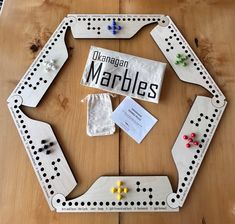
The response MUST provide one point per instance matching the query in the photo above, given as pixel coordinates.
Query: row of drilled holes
(206, 117)
(119, 19)
(28, 137)
(41, 60)
(189, 56)
(132, 203)
(195, 157)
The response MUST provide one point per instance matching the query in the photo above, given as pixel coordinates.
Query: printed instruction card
(133, 119)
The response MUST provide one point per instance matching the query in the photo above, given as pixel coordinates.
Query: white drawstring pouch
(99, 110)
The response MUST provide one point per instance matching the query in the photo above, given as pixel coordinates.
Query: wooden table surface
(25, 26)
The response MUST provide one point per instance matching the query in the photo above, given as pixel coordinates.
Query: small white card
(133, 119)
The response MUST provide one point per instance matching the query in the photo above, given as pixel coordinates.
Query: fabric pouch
(99, 110)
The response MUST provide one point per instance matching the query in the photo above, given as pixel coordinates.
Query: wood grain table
(209, 27)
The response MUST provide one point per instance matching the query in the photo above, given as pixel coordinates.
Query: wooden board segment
(40, 74)
(103, 25)
(172, 43)
(202, 122)
(44, 152)
(144, 194)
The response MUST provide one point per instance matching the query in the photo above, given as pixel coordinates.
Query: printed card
(133, 119)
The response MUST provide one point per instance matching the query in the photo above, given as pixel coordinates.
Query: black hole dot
(58, 200)
(70, 203)
(190, 167)
(156, 203)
